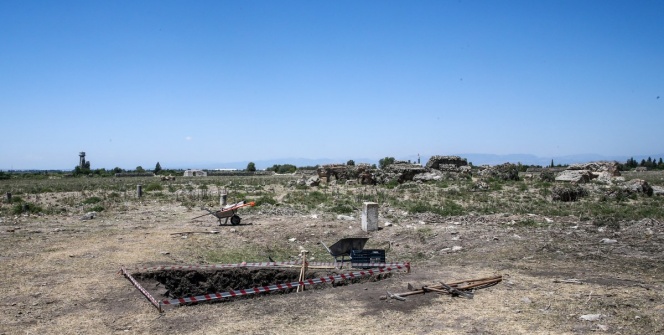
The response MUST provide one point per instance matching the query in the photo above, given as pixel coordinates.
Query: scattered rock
(89, 216)
(446, 163)
(638, 186)
(574, 176)
(583, 173)
(456, 248)
(608, 167)
(506, 171)
(345, 217)
(313, 181)
(658, 190)
(608, 241)
(481, 186)
(566, 193)
(590, 317)
(398, 171)
(292, 239)
(428, 176)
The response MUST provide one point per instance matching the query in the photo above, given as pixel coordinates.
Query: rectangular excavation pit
(185, 286)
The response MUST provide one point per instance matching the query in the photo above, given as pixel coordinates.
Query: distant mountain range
(475, 159)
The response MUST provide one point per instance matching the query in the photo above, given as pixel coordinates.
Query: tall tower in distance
(81, 162)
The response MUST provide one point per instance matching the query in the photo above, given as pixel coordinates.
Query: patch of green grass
(265, 199)
(342, 208)
(307, 199)
(92, 200)
(26, 207)
(391, 184)
(424, 233)
(449, 208)
(153, 187)
(97, 208)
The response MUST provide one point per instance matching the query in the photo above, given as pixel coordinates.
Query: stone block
(370, 216)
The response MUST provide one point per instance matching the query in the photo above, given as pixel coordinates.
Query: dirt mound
(185, 283)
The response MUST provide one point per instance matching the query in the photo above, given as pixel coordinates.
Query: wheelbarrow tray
(229, 211)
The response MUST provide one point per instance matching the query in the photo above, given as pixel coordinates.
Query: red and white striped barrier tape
(140, 288)
(277, 287)
(264, 264)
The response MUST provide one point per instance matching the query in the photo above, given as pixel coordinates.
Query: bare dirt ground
(60, 274)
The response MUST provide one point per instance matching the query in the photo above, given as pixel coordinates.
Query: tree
(631, 163)
(384, 162)
(286, 168)
(251, 167)
(551, 164)
(140, 169)
(157, 168)
(350, 162)
(660, 165)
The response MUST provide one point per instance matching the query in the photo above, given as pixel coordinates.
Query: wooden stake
(448, 288)
(303, 270)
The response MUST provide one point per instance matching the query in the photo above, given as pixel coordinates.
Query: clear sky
(190, 82)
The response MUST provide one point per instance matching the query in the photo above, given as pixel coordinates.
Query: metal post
(139, 191)
(9, 197)
(222, 199)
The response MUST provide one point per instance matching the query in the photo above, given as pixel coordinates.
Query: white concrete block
(370, 216)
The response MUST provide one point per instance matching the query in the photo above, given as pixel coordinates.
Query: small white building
(195, 173)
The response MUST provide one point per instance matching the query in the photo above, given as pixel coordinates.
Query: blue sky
(192, 83)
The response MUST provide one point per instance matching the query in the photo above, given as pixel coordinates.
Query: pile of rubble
(455, 167)
(398, 171)
(438, 167)
(506, 171)
(583, 173)
(350, 174)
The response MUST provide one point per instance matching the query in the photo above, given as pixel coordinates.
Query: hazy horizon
(262, 164)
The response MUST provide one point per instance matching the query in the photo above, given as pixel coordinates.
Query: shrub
(26, 207)
(567, 193)
(385, 162)
(92, 200)
(342, 209)
(97, 208)
(547, 176)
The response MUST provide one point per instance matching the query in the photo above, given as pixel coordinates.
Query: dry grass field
(561, 262)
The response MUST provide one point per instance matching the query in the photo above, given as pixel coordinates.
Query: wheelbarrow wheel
(235, 220)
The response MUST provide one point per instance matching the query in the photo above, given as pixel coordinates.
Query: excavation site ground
(593, 265)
